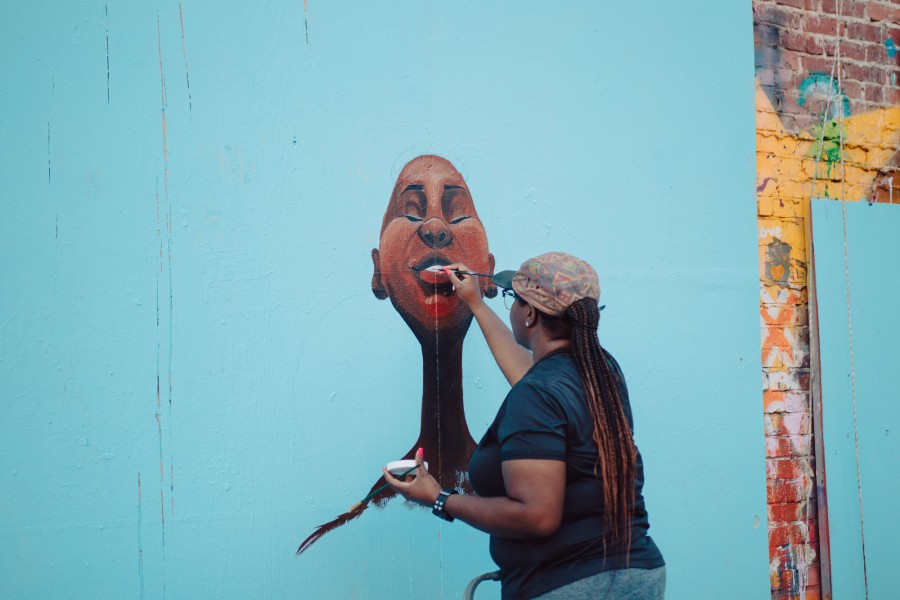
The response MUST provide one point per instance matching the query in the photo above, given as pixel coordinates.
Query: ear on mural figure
(377, 285)
(491, 290)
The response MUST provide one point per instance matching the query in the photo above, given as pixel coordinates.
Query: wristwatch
(439, 504)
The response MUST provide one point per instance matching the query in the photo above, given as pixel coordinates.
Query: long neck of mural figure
(443, 415)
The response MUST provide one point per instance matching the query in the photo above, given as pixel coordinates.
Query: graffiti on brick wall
(826, 128)
(855, 158)
(820, 95)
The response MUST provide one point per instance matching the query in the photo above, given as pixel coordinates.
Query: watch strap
(439, 508)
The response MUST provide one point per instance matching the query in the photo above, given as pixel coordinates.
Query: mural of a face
(430, 220)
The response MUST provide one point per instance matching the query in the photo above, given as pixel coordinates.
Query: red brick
(849, 8)
(817, 44)
(818, 64)
(776, 15)
(812, 574)
(802, 4)
(785, 492)
(892, 96)
(803, 380)
(793, 534)
(854, 9)
(821, 24)
(852, 89)
(881, 12)
(864, 31)
(874, 94)
(794, 40)
(780, 447)
(790, 468)
(794, 511)
(789, 60)
(865, 74)
(801, 41)
(849, 49)
(877, 54)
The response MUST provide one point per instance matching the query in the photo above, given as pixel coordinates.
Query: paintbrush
(440, 269)
(384, 487)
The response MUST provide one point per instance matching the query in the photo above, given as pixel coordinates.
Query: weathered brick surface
(813, 65)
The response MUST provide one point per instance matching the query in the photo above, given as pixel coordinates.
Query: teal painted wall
(195, 371)
(860, 413)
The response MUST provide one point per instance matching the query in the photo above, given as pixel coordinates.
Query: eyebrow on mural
(418, 187)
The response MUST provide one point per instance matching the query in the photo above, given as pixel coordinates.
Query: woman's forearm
(513, 360)
(531, 507)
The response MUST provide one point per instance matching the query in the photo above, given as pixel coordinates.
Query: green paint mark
(827, 145)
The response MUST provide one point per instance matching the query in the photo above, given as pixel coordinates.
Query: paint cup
(398, 467)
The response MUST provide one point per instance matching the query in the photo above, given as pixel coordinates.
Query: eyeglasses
(509, 298)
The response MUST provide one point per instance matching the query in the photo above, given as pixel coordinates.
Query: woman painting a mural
(557, 475)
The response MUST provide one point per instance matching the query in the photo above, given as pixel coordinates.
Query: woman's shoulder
(553, 381)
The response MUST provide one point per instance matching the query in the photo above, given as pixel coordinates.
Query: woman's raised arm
(513, 360)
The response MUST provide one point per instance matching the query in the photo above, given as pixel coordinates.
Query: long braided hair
(616, 449)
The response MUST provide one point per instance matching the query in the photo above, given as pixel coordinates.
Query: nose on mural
(435, 234)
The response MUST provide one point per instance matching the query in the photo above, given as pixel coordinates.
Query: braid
(616, 451)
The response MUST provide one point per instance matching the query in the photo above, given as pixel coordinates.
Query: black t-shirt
(546, 416)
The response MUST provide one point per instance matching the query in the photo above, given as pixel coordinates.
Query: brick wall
(826, 127)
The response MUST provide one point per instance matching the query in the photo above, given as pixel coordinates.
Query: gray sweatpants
(622, 584)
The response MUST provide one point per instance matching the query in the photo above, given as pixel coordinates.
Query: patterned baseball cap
(552, 282)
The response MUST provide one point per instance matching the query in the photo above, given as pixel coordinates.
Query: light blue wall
(860, 401)
(225, 260)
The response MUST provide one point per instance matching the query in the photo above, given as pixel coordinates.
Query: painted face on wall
(430, 221)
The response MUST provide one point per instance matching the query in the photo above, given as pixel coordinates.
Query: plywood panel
(860, 383)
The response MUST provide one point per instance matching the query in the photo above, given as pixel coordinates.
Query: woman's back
(546, 416)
